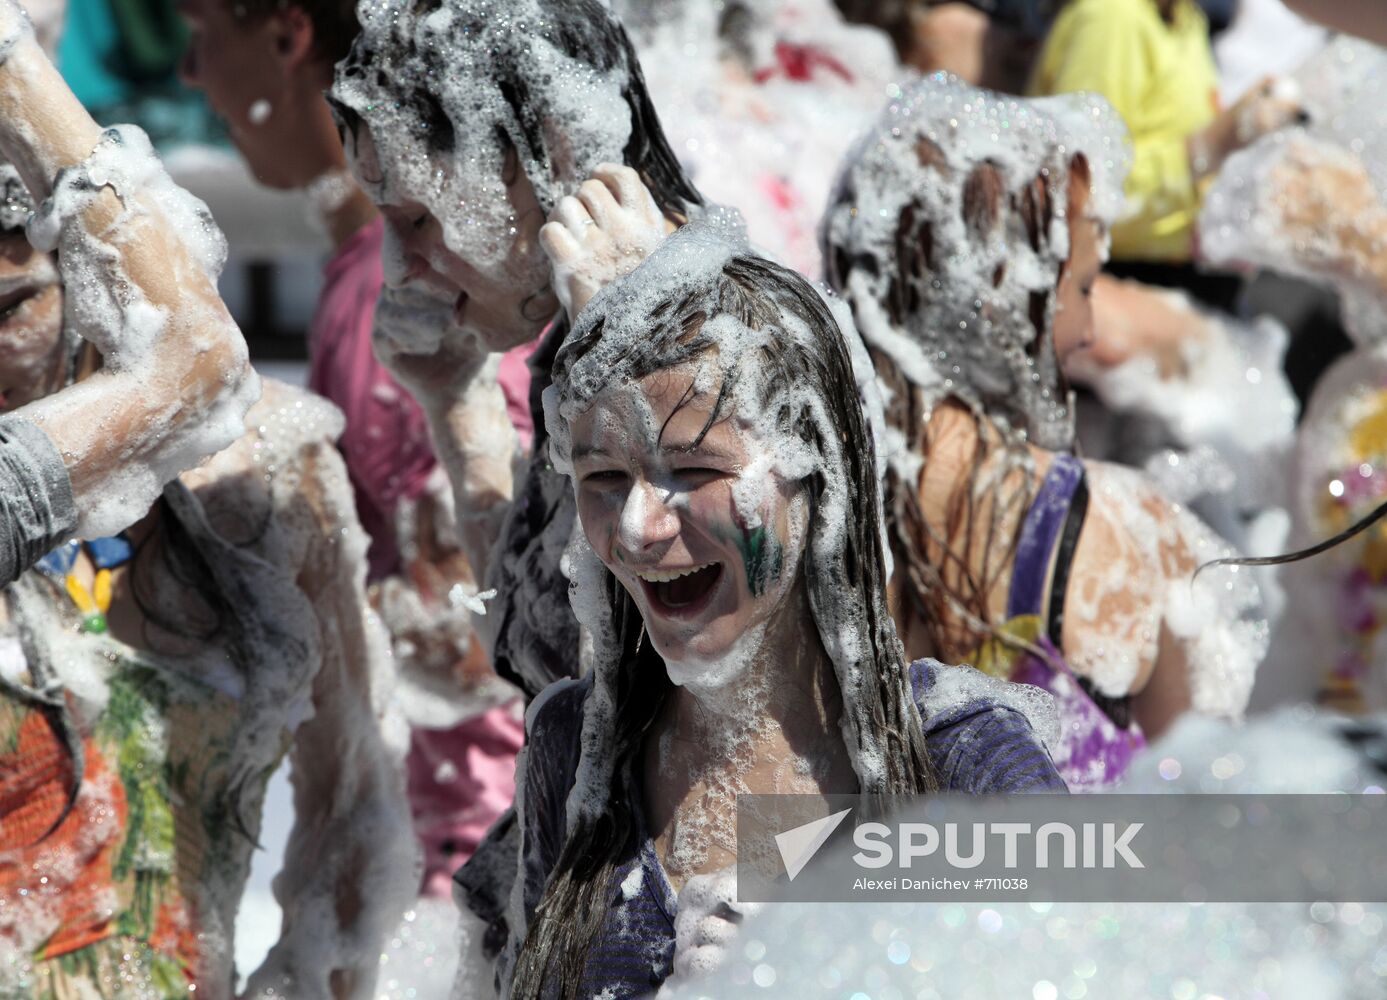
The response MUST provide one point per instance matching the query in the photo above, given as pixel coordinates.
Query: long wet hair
(960, 279)
(808, 386)
(950, 572)
(583, 30)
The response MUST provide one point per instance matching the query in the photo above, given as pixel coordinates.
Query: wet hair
(584, 31)
(207, 613)
(807, 385)
(16, 204)
(334, 21)
(950, 576)
(948, 236)
(1355, 529)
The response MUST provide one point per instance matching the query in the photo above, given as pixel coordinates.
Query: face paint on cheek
(763, 555)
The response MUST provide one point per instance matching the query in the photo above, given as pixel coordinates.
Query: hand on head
(601, 235)
(1270, 106)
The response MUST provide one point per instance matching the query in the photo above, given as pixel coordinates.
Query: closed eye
(9, 304)
(699, 474)
(604, 478)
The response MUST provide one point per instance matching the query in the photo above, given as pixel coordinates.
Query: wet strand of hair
(1357, 528)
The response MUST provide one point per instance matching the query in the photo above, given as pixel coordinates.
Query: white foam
(967, 335)
(103, 305)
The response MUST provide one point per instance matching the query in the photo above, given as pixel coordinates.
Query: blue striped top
(978, 747)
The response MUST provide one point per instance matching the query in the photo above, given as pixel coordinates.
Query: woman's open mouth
(681, 593)
(459, 307)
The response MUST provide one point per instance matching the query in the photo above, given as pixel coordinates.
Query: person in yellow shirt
(1152, 60)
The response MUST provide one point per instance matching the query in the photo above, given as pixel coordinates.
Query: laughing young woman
(732, 572)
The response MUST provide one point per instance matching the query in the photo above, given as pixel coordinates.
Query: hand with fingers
(1272, 105)
(601, 234)
(707, 924)
(412, 339)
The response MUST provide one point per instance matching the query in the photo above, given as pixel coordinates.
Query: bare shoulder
(1134, 546)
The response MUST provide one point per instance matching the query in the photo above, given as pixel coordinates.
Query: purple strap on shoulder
(1041, 528)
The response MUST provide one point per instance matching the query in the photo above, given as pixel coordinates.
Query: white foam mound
(965, 296)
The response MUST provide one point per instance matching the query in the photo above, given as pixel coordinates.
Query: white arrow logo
(797, 846)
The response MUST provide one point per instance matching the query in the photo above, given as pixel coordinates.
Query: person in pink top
(386, 444)
(264, 66)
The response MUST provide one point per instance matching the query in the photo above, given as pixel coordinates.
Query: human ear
(294, 38)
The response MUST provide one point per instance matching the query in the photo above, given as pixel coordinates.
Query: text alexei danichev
(937, 884)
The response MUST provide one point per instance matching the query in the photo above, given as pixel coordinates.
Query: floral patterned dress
(108, 904)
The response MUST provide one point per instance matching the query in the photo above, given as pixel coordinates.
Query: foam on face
(438, 91)
(970, 333)
(689, 263)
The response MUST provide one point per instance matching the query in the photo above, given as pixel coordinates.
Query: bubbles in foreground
(1226, 951)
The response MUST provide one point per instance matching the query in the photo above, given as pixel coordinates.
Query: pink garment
(460, 781)
(386, 445)
(514, 378)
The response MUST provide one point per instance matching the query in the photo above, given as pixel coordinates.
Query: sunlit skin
(273, 58)
(236, 62)
(653, 503)
(1158, 689)
(504, 310)
(1073, 327)
(34, 364)
(31, 323)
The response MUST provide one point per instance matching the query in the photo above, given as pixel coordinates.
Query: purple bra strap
(1039, 530)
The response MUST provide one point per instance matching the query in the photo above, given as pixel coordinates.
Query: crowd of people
(763, 396)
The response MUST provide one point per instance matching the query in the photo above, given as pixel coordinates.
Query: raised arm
(139, 259)
(454, 380)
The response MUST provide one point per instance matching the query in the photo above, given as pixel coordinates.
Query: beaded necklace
(106, 554)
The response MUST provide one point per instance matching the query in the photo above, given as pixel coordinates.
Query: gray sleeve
(36, 506)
